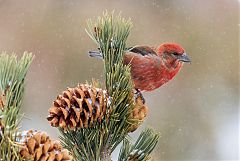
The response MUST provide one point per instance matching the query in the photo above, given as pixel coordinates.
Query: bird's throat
(172, 68)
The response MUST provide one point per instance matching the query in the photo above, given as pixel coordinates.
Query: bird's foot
(138, 94)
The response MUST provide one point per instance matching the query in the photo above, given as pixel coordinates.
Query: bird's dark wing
(143, 50)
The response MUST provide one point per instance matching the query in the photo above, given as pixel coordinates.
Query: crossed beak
(184, 58)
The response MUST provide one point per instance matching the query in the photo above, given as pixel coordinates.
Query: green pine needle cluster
(12, 83)
(110, 33)
(144, 145)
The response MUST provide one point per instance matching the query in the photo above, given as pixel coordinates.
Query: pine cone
(39, 147)
(138, 114)
(79, 107)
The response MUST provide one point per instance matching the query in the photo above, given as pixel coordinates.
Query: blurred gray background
(196, 113)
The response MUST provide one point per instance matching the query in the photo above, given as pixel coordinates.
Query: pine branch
(96, 143)
(111, 33)
(140, 151)
(84, 144)
(12, 76)
(12, 82)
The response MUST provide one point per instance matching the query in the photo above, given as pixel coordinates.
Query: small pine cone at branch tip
(138, 114)
(79, 107)
(37, 146)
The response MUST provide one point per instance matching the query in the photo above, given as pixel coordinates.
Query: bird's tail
(96, 54)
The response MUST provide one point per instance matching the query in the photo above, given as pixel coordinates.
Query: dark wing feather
(143, 50)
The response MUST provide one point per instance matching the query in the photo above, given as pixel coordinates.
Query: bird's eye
(175, 53)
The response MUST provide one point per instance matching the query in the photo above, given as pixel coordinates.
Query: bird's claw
(139, 94)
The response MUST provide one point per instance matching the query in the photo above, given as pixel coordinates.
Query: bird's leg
(139, 94)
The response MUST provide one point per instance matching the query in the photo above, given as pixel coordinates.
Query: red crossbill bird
(151, 67)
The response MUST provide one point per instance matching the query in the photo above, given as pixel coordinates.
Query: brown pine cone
(138, 114)
(79, 107)
(39, 147)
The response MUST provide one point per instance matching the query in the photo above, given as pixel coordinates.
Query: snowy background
(197, 113)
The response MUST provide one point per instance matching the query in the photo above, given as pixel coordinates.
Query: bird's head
(172, 54)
